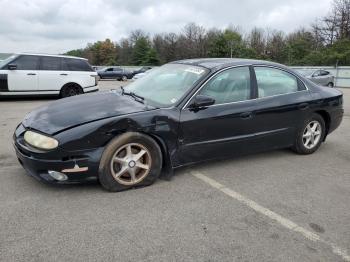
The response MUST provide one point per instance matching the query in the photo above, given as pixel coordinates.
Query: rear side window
(317, 73)
(27, 62)
(50, 63)
(71, 64)
(324, 73)
(272, 81)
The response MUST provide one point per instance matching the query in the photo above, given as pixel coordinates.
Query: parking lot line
(285, 222)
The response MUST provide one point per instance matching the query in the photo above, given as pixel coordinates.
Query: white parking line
(272, 215)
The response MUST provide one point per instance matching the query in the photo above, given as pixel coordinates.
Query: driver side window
(232, 85)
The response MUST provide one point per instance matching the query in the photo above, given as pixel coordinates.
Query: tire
(124, 78)
(70, 90)
(330, 84)
(116, 165)
(301, 145)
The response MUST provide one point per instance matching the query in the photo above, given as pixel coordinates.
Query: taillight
(96, 79)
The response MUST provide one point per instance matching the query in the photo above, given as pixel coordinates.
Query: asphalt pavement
(274, 206)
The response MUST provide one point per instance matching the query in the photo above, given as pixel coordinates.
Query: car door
(325, 78)
(24, 74)
(51, 77)
(117, 72)
(225, 128)
(282, 105)
(77, 71)
(109, 73)
(316, 77)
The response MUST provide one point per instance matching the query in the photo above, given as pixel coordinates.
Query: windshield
(166, 85)
(7, 60)
(306, 72)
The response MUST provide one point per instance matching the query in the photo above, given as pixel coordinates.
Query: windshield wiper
(136, 97)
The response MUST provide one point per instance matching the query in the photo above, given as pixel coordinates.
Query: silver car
(320, 77)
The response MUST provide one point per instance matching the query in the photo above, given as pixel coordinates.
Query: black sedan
(182, 113)
(115, 73)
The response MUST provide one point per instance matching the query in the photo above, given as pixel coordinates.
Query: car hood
(74, 111)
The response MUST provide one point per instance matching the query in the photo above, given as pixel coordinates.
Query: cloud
(56, 26)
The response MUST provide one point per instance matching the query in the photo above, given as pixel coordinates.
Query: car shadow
(274, 154)
(179, 172)
(27, 98)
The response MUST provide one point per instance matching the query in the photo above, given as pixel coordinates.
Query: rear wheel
(71, 90)
(330, 84)
(310, 135)
(130, 160)
(124, 78)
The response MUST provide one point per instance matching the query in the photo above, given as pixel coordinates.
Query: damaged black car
(182, 113)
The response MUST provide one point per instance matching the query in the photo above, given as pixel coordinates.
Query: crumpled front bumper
(38, 164)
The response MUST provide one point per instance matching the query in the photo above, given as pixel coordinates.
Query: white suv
(33, 74)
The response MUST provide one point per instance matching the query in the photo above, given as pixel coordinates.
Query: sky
(56, 26)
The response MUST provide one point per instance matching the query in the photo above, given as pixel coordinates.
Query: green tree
(140, 50)
(77, 52)
(104, 52)
(229, 43)
(151, 58)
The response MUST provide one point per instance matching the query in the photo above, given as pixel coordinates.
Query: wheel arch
(71, 84)
(167, 167)
(327, 119)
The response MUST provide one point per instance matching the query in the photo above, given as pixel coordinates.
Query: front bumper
(91, 89)
(38, 164)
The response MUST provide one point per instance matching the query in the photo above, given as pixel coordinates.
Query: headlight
(40, 141)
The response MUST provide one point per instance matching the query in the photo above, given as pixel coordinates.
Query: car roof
(64, 56)
(218, 63)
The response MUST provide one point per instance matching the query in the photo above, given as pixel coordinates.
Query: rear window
(272, 81)
(50, 63)
(71, 64)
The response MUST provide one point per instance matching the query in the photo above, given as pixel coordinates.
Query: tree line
(325, 42)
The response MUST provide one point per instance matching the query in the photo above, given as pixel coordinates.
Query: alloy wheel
(130, 164)
(70, 91)
(312, 134)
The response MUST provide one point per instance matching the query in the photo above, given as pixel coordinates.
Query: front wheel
(124, 78)
(310, 135)
(130, 160)
(70, 90)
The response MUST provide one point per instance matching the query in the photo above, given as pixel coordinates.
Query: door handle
(63, 74)
(31, 74)
(303, 106)
(246, 115)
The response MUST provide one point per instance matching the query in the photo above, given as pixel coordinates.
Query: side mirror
(12, 66)
(202, 101)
